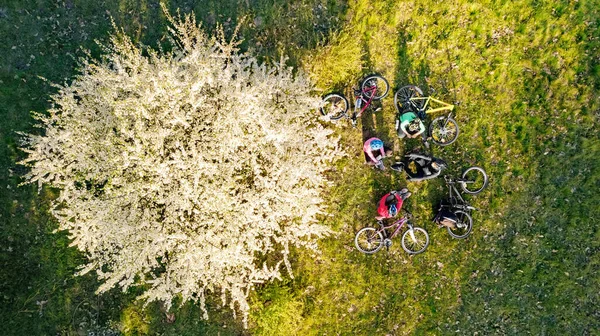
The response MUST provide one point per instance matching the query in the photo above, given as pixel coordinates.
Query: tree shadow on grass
(373, 125)
(406, 71)
(409, 74)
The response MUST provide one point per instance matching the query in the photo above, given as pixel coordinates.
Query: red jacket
(382, 209)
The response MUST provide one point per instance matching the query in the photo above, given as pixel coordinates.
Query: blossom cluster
(179, 170)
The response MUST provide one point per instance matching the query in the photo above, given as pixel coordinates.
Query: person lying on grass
(411, 126)
(390, 204)
(426, 167)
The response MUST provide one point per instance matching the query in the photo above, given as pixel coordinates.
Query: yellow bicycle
(443, 130)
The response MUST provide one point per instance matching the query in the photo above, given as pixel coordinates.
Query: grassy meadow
(527, 76)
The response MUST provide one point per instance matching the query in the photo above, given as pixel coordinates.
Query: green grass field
(527, 74)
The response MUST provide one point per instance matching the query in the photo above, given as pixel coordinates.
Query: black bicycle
(454, 213)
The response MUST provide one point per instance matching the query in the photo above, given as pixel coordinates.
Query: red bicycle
(335, 106)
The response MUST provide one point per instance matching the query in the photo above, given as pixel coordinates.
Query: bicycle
(369, 240)
(335, 106)
(443, 130)
(455, 213)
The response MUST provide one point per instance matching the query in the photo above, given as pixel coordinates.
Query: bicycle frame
(454, 191)
(399, 223)
(359, 102)
(456, 195)
(445, 106)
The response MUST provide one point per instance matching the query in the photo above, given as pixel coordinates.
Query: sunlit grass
(527, 77)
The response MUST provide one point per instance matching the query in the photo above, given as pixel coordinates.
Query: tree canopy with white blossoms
(179, 170)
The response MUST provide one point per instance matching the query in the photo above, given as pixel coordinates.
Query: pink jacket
(367, 149)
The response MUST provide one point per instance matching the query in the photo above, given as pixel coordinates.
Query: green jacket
(407, 118)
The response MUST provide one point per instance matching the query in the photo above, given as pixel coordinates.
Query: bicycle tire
(422, 242)
(367, 235)
(480, 180)
(459, 231)
(383, 87)
(403, 95)
(334, 106)
(443, 131)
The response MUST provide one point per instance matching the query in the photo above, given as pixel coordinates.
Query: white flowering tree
(180, 170)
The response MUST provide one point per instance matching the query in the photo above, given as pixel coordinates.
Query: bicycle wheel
(443, 131)
(368, 240)
(463, 227)
(334, 106)
(405, 93)
(417, 242)
(474, 180)
(382, 85)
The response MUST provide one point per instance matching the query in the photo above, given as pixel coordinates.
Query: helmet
(376, 144)
(393, 211)
(414, 125)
